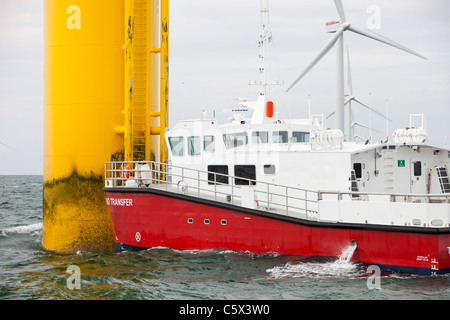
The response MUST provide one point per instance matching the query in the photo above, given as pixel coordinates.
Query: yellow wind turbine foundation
(106, 99)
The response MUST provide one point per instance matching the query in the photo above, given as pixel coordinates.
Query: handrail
(270, 197)
(393, 196)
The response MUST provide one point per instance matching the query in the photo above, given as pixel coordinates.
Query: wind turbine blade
(340, 10)
(349, 75)
(371, 109)
(376, 36)
(330, 115)
(329, 45)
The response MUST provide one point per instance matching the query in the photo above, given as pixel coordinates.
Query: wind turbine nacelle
(333, 26)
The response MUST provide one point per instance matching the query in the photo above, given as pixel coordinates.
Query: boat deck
(405, 210)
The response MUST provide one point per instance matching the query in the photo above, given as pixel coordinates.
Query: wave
(26, 229)
(315, 269)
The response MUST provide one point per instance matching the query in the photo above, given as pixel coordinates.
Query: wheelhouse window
(280, 137)
(247, 172)
(177, 145)
(194, 146)
(221, 177)
(298, 136)
(208, 144)
(233, 140)
(260, 137)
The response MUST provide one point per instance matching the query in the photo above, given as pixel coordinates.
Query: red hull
(158, 219)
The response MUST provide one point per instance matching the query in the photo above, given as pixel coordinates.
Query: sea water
(27, 271)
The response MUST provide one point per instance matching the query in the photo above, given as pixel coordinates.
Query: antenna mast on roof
(264, 39)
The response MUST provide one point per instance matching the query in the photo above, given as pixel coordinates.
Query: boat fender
(124, 171)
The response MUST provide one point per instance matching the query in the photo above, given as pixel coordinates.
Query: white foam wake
(341, 267)
(22, 229)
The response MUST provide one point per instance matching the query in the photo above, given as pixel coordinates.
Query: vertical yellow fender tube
(84, 97)
(164, 73)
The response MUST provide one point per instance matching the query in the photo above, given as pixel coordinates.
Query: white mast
(264, 39)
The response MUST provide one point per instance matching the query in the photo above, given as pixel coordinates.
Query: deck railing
(268, 197)
(249, 193)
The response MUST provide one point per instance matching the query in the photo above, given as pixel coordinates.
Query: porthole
(206, 221)
(223, 222)
(190, 221)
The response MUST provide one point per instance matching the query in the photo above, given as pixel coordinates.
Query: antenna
(309, 106)
(264, 38)
(387, 121)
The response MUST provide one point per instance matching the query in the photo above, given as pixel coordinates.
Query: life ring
(124, 171)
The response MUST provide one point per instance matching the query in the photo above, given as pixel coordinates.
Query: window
(233, 140)
(206, 221)
(300, 136)
(223, 222)
(357, 167)
(417, 168)
(177, 145)
(280, 137)
(194, 146)
(221, 177)
(260, 137)
(247, 173)
(190, 221)
(269, 169)
(208, 144)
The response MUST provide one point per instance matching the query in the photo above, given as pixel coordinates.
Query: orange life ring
(124, 171)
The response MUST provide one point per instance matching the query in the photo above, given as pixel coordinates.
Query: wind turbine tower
(338, 28)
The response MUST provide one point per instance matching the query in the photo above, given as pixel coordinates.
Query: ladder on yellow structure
(143, 115)
(140, 84)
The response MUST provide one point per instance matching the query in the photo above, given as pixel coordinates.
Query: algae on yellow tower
(93, 50)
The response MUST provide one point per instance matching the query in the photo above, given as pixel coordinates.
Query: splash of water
(347, 253)
(341, 267)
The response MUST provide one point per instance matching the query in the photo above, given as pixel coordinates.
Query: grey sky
(214, 54)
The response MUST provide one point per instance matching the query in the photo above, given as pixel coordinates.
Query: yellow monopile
(84, 74)
(93, 50)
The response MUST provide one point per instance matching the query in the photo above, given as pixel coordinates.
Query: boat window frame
(305, 136)
(259, 135)
(194, 149)
(281, 133)
(206, 147)
(232, 139)
(358, 168)
(417, 168)
(269, 169)
(222, 178)
(244, 174)
(173, 146)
